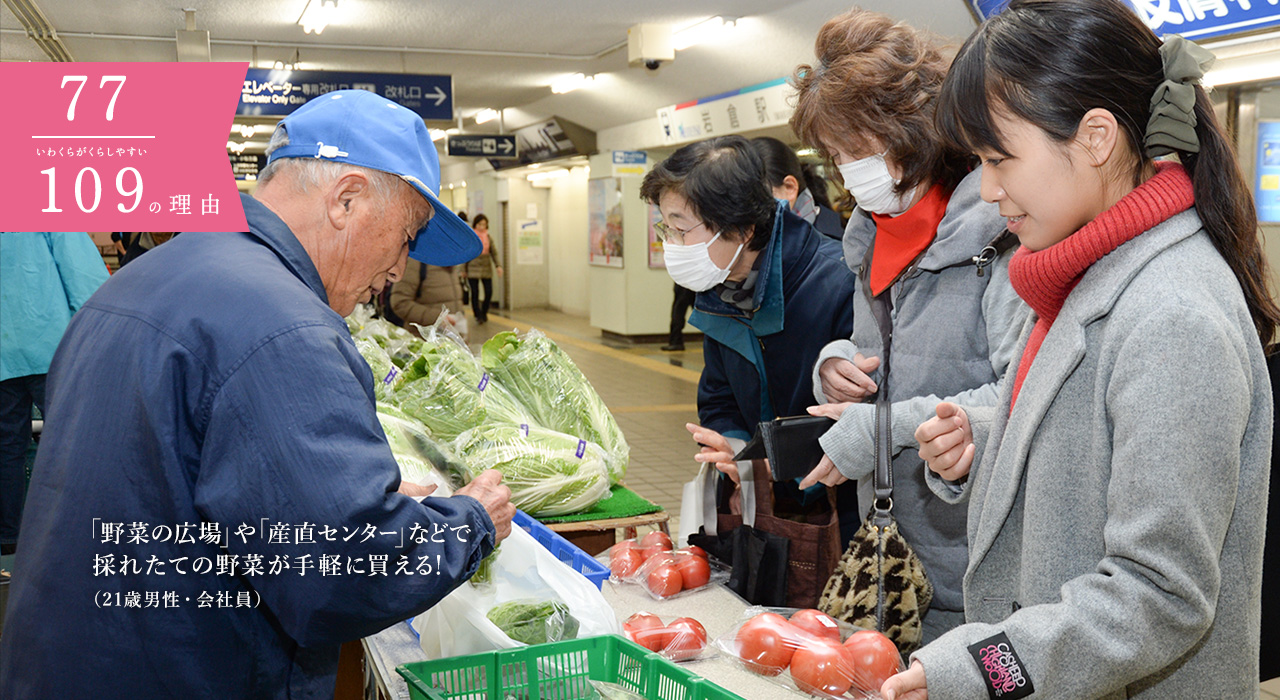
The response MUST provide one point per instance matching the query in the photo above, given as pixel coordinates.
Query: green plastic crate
(557, 671)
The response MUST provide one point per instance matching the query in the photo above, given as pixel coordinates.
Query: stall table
(716, 607)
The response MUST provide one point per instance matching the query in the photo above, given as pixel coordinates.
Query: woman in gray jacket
(1116, 514)
(922, 237)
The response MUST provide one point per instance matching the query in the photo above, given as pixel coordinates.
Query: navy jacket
(759, 368)
(241, 405)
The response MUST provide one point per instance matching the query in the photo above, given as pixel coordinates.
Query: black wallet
(790, 444)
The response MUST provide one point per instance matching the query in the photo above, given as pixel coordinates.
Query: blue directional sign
(1193, 19)
(483, 145)
(280, 92)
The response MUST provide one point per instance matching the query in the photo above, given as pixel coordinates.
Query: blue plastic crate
(565, 551)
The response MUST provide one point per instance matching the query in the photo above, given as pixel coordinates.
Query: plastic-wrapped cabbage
(534, 621)
(386, 376)
(549, 473)
(543, 377)
(422, 460)
(448, 390)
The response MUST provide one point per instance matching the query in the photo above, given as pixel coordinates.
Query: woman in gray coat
(1117, 508)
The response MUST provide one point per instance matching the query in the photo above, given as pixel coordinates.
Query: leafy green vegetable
(422, 460)
(549, 473)
(555, 391)
(386, 376)
(484, 572)
(535, 622)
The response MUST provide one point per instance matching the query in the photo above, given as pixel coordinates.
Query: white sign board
(750, 108)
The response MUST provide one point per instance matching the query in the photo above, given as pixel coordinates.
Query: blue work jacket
(208, 401)
(44, 279)
(758, 368)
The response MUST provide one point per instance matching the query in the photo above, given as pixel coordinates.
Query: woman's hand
(908, 685)
(498, 270)
(843, 380)
(825, 473)
(946, 442)
(715, 449)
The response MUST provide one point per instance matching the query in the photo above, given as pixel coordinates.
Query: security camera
(652, 63)
(649, 45)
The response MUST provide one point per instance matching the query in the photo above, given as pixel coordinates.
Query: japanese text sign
(91, 149)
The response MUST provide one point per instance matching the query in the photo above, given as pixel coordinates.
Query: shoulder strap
(997, 247)
(882, 310)
(422, 277)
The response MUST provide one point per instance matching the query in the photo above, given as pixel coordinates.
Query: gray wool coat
(1116, 516)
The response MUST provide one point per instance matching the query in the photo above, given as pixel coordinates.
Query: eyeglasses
(671, 234)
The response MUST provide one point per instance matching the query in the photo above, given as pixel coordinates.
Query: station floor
(652, 394)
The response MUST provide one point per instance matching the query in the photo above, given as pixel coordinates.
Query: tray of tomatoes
(684, 639)
(813, 652)
(664, 572)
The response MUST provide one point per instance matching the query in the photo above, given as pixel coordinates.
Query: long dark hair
(780, 161)
(1049, 62)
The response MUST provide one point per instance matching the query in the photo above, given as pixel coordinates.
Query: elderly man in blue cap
(215, 516)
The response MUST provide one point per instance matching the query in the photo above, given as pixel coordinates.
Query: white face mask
(691, 267)
(871, 185)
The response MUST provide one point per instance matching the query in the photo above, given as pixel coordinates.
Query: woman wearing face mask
(923, 239)
(771, 290)
(803, 189)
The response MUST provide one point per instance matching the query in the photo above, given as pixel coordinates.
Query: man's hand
(413, 490)
(908, 685)
(946, 442)
(843, 380)
(715, 449)
(496, 499)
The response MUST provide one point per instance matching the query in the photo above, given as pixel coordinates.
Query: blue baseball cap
(365, 129)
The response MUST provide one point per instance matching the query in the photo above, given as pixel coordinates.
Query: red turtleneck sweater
(1045, 278)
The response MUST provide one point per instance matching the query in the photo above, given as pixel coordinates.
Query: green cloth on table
(623, 503)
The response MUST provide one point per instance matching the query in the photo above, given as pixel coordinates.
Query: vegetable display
(549, 473)
(684, 639)
(448, 390)
(557, 394)
(386, 376)
(651, 563)
(534, 621)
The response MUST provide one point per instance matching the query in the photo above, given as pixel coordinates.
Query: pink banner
(118, 147)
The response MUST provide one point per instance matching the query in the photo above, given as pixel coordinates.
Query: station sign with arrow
(483, 145)
(269, 92)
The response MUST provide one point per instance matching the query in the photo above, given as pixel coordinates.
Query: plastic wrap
(547, 381)
(812, 652)
(446, 388)
(549, 473)
(650, 563)
(533, 621)
(684, 639)
(422, 459)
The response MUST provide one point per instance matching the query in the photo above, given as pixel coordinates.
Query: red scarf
(901, 239)
(1045, 278)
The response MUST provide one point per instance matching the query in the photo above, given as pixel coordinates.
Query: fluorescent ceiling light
(462, 184)
(1243, 69)
(436, 134)
(317, 15)
(547, 175)
(700, 32)
(571, 82)
(486, 115)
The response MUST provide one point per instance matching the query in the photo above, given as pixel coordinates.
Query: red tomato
(766, 643)
(695, 571)
(623, 545)
(664, 580)
(641, 621)
(694, 550)
(655, 639)
(874, 658)
(821, 666)
(657, 537)
(624, 563)
(688, 639)
(817, 623)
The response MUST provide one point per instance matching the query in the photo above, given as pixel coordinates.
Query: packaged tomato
(810, 651)
(683, 639)
(650, 562)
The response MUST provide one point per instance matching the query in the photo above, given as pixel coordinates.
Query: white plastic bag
(523, 569)
(698, 501)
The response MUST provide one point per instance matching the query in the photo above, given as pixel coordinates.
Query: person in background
(239, 431)
(679, 309)
(803, 189)
(44, 279)
(1117, 511)
(480, 272)
(121, 241)
(141, 243)
(425, 292)
(771, 292)
(922, 238)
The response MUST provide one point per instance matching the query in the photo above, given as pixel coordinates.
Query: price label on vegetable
(118, 147)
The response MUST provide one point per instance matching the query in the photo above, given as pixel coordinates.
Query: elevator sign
(280, 92)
